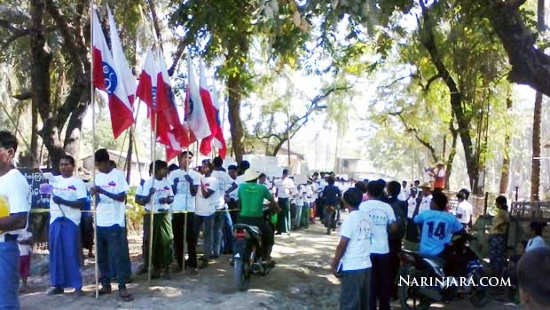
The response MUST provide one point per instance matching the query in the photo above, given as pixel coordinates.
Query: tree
(231, 37)
(56, 57)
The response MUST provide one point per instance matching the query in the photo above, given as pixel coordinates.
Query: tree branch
(414, 131)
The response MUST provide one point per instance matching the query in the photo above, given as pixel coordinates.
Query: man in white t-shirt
(225, 186)
(112, 246)
(156, 195)
(405, 192)
(352, 257)
(14, 211)
(185, 183)
(426, 200)
(383, 220)
(464, 209)
(285, 188)
(68, 198)
(207, 200)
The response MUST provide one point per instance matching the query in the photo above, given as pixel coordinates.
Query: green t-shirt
(252, 196)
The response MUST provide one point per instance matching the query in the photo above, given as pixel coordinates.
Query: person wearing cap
(534, 279)
(352, 256)
(14, 210)
(384, 223)
(251, 198)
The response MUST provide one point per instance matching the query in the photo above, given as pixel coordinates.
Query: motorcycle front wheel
(241, 278)
(409, 298)
(480, 295)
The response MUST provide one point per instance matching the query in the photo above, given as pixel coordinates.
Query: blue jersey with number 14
(438, 228)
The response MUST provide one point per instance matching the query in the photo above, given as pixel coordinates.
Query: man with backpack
(395, 239)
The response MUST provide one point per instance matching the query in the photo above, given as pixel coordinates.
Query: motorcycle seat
(253, 231)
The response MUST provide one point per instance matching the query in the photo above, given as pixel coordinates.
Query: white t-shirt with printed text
(357, 227)
(109, 211)
(15, 195)
(224, 183)
(162, 190)
(207, 206)
(381, 215)
(70, 189)
(183, 200)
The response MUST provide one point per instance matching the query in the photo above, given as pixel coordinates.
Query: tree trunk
(530, 65)
(535, 160)
(35, 160)
(428, 41)
(234, 116)
(537, 121)
(451, 157)
(40, 82)
(505, 170)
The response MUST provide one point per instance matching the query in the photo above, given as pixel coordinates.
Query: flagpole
(94, 146)
(150, 252)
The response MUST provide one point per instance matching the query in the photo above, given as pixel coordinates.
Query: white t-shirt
(358, 228)
(207, 206)
(24, 249)
(411, 206)
(235, 193)
(299, 198)
(224, 183)
(183, 200)
(70, 189)
(533, 243)
(310, 195)
(464, 211)
(425, 203)
(109, 211)
(15, 195)
(403, 194)
(285, 187)
(162, 190)
(381, 215)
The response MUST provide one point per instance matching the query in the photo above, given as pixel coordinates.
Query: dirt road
(301, 280)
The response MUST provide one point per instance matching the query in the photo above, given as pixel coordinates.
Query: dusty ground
(301, 280)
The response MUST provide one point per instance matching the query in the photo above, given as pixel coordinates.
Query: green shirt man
(251, 196)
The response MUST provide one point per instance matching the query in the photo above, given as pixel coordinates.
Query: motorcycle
(421, 294)
(246, 262)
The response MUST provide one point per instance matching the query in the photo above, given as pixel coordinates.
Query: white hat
(251, 175)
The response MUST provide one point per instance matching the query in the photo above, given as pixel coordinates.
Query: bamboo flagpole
(153, 158)
(94, 146)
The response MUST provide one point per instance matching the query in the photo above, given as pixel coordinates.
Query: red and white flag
(195, 115)
(219, 139)
(107, 77)
(212, 114)
(154, 89)
(126, 77)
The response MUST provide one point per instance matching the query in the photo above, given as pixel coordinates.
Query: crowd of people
(376, 220)
(383, 217)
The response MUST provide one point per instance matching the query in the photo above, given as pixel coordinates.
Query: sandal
(124, 295)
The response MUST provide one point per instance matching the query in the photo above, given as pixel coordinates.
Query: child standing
(25, 250)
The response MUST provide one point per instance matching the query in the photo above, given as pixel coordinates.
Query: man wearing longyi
(14, 209)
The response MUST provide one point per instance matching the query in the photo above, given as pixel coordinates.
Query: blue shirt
(438, 228)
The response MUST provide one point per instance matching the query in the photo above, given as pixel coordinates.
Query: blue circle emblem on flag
(110, 78)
